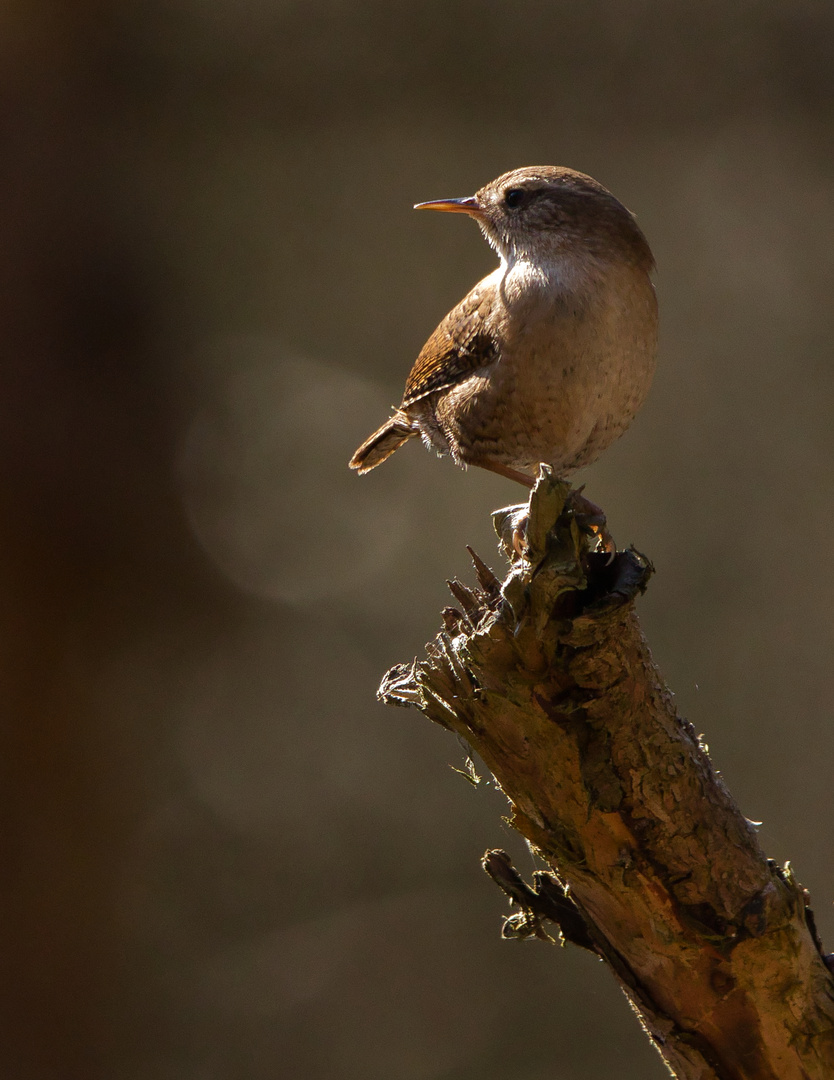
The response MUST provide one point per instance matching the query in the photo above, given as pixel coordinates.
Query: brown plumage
(550, 356)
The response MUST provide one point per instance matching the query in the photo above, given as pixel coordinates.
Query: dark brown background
(221, 858)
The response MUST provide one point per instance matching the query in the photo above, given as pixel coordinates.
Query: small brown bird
(551, 355)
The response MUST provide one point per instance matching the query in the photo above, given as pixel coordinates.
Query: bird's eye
(515, 197)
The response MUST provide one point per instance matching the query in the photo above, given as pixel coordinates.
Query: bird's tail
(382, 443)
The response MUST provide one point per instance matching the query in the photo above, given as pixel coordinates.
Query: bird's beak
(469, 205)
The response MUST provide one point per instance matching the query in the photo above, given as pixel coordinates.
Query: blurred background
(222, 859)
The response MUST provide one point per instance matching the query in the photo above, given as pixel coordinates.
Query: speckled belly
(539, 408)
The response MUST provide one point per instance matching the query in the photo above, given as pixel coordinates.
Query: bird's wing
(461, 344)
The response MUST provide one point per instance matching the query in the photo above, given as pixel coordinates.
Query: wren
(549, 357)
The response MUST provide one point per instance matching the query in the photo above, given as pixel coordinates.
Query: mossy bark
(549, 678)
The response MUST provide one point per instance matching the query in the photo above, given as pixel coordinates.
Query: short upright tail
(382, 443)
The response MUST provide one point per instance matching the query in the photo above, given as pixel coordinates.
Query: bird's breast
(575, 358)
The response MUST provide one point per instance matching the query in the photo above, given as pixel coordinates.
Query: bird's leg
(504, 470)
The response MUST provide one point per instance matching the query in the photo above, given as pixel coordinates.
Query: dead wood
(550, 680)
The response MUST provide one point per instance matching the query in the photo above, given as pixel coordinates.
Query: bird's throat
(527, 282)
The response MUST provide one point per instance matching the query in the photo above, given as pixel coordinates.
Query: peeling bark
(549, 678)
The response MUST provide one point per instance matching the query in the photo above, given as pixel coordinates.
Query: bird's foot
(511, 524)
(591, 519)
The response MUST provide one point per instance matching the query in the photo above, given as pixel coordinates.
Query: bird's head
(547, 212)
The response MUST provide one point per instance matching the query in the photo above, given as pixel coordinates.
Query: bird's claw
(591, 519)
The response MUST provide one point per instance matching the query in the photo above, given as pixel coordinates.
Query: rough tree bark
(548, 677)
